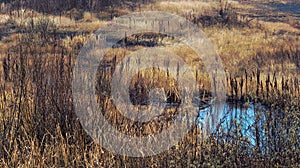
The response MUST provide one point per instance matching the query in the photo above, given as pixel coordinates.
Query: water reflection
(234, 118)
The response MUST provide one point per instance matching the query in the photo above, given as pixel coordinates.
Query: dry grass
(236, 45)
(181, 7)
(38, 126)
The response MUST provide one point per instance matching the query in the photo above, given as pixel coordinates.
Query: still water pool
(229, 117)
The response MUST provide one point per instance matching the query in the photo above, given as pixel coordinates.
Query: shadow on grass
(291, 8)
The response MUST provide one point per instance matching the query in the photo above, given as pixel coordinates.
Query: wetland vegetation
(258, 42)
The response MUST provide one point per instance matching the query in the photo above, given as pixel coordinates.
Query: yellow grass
(275, 27)
(72, 148)
(181, 7)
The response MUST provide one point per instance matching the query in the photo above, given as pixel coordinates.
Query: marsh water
(235, 118)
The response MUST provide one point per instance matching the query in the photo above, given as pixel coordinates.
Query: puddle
(233, 116)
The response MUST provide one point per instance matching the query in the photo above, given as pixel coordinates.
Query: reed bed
(39, 128)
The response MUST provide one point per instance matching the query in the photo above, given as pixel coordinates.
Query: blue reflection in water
(234, 117)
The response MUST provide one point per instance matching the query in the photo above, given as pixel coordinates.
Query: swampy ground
(257, 41)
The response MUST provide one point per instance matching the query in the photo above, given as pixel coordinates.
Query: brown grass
(39, 128)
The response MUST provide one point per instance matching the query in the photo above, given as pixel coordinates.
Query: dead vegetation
(39, 128)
